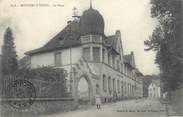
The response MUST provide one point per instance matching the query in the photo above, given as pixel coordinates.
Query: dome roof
(92, 22)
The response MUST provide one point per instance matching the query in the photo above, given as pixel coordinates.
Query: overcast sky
(34, 26)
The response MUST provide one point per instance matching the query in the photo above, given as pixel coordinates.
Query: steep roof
(69, 36)
(91, 22)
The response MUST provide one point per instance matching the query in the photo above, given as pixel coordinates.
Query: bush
(49, 82)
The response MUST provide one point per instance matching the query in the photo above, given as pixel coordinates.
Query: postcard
(91, 58)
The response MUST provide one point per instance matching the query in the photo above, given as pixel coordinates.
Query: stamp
(21, 94)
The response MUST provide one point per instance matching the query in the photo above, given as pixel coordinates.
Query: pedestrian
(98, 101)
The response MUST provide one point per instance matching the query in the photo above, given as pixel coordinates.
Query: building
(85, 51)
(147, 79)
(154, 89)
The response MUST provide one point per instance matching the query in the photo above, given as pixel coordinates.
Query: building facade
(83, 49)
(154, 89)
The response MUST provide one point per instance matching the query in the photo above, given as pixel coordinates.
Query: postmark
(21, 94)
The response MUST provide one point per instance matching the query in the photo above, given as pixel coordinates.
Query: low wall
(39, 107)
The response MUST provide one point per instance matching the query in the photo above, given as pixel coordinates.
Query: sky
(34, 26)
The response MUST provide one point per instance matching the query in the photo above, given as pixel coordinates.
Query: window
(118, 85)
(58, 59)
(103, 55)
(109, 83)
(118, 65)
(122, 88)
(96, 54)
(109, 58)
(125, 90)
(104, 83)
(86, 53)
(128, 89)
(114, 85)
(122, 69)
(113, 61)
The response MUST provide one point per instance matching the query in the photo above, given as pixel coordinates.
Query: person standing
(98, 101)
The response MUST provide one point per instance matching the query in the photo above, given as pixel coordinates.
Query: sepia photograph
(91, 58)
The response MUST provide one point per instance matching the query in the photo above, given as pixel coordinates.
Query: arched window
(122, 88)
(118, 85)
(125, 88)
(114, 85)
(109, 83)
(104, 83)
(109, 58)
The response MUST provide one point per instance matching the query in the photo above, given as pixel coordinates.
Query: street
(126, 108)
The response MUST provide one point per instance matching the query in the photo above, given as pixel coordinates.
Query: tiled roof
(69, 36)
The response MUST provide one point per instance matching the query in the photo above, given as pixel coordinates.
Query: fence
(49, 99)
(44, 89)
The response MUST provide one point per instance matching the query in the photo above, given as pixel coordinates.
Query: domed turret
(92, 22)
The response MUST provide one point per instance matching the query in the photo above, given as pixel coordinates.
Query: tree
(166, 40)
(49, 82)
(9, 57)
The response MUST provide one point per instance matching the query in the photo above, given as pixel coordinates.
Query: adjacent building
(85, 51)
(154, 90)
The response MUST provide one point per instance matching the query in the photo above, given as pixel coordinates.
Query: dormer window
(61, 42)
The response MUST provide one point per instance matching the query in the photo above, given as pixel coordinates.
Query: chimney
(68, 22)
(118, 33)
